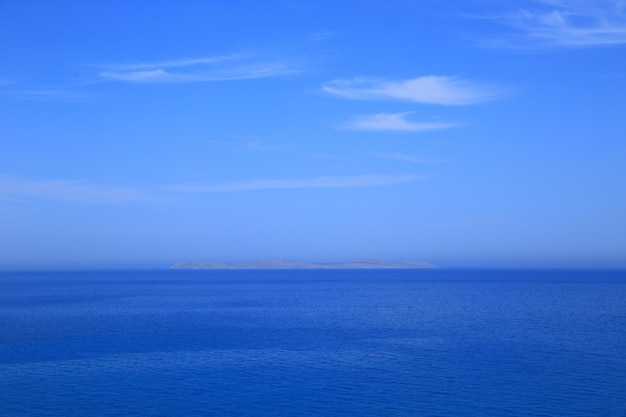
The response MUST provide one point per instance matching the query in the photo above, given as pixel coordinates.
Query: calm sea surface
(313, 343)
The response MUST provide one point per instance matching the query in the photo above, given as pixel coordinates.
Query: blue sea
(313, 343)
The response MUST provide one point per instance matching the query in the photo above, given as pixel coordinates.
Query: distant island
(284, 264)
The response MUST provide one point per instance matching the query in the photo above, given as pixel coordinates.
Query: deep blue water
(313, 343)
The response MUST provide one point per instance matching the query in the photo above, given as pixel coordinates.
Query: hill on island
(286, 264)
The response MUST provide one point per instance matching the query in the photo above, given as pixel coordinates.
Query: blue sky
(463, 133)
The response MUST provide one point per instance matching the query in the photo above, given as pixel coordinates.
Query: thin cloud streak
(13, 188)
(432, 89)
(572, 24)
(408, 158)
(169, 64)
(50, 95)
(356, 181)
(235, 67)
(393, 122)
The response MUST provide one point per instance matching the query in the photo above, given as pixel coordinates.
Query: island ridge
(286, 264)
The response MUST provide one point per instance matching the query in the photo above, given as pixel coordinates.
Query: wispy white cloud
(570, 24)
(306, 183)
(433, 89)
(233, 67)
(185, 62)
(408, 158)
(147, 76)
(14, 188)
(321, 36)
(50, 95)
(259, 145)
(393, 122)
